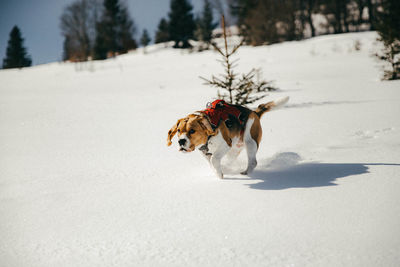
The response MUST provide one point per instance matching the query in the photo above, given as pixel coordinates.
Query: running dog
(223, 129)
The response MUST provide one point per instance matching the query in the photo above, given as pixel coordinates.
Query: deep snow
(86, 178)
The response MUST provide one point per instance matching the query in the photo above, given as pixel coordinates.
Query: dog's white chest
(215, 143)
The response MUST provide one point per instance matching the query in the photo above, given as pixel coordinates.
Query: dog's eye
(191, 131)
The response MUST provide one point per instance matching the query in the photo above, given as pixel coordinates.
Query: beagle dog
(223, 130)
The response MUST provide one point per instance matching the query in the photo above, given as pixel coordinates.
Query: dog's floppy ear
(205, 124)
(172, 132)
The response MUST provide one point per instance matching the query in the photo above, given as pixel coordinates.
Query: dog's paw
(244, 173)
(218, 172)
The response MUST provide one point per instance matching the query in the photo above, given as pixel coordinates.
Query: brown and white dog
(228, 137)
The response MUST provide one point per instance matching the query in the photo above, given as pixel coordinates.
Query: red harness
(220, 110)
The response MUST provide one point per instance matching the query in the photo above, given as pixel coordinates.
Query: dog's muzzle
(184, 145)
(182, 142)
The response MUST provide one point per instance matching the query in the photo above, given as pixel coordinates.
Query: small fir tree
(16, 55)
(237, 89)
(388, 27)
(181, 23)
(145, 39)
(162, 34)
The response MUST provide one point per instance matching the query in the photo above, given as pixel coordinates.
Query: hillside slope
(87, 179)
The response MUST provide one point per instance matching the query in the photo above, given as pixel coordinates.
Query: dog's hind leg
(251, 149)
(252, 137)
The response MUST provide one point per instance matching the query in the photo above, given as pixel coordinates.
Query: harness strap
(204, 148)
(220, 110)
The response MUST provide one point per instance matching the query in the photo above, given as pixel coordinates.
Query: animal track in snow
(372, 134)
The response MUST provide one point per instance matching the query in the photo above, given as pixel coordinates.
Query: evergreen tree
(181, 23)
(66, 49)
(205, 24)
(101, 46)
(388, 27)
(106, 37)
(237, 89)
(162, 34)
(126, 30)
(114, 32)
(145, 39)
(16, 55)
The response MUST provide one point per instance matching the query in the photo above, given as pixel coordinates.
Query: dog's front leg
(216, 157)
(213, 158)
(204, 150)
(218, 146)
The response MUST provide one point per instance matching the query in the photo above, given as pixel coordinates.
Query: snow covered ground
(86, 178)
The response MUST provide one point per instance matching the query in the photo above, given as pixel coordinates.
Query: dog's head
(193, 131)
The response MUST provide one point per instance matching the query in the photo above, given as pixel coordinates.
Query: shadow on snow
(284, 172)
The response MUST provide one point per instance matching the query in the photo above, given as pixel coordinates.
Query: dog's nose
(182, 142)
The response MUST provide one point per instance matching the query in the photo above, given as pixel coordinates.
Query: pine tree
(388, 27)
(126, 30)
(181, 23)
(145, 39)
(114, 32)
(101, 45)
(66, 48)
(16, 55)
(205, 24)
(237, 89)
(162, 34)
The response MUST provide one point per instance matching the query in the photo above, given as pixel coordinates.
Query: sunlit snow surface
(86, 178)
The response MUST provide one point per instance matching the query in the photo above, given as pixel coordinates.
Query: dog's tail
(273, 105)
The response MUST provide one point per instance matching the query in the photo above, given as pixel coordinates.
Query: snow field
(87, 179)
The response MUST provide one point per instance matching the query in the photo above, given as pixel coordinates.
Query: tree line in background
(96, 29)
(99, 29)
(272, 21)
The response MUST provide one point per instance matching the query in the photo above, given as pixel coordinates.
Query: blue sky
(39, 23)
